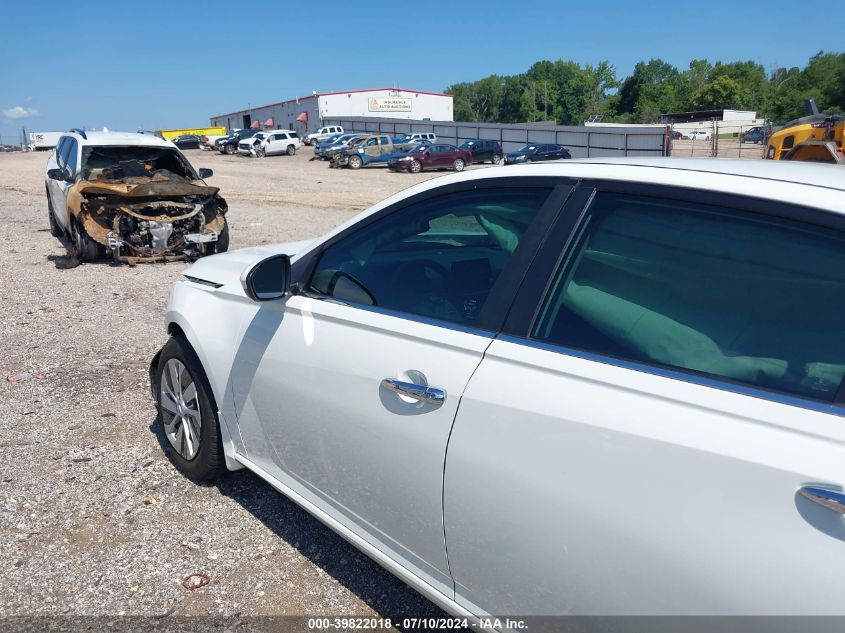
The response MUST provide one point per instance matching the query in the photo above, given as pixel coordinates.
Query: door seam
(445, 457)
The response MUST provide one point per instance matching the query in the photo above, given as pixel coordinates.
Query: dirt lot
(93, 518)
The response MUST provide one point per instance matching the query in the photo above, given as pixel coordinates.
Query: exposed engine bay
(147, 204)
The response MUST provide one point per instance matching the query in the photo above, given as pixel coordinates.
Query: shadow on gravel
(378, 588)
(64, 261)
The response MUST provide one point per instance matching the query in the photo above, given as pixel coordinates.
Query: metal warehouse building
(305, 114)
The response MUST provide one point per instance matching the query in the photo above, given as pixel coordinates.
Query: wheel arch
(179, 326)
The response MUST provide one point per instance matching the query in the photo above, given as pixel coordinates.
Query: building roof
(699, 115)
(323, 94)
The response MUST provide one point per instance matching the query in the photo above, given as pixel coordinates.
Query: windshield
(117, 162)
(528, 149)
(419, 149)
(260, 136)
(467, 145)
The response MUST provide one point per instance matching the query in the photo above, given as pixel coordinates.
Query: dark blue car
(536, 152)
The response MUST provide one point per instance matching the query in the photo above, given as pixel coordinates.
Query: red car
(431, 157)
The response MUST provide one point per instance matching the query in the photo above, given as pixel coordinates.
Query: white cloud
(19, 112)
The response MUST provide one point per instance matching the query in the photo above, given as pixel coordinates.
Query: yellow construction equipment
(815, 137)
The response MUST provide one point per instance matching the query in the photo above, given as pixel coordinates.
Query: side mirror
(268, 279)
(58, 174)
(204, 172)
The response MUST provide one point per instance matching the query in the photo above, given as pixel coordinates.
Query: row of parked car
(414, 152)
(420, 151)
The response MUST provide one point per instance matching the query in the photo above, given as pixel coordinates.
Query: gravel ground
(94, 520)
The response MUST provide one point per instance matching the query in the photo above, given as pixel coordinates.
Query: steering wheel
(414, 271)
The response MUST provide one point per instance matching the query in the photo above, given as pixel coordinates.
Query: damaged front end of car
(164, 217)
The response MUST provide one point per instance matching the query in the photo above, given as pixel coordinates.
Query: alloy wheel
(180, 408)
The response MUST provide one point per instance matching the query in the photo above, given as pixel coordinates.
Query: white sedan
(697, 135)
(604, 387)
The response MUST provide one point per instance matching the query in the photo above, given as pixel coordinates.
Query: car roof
(120, 138)
(808, 184)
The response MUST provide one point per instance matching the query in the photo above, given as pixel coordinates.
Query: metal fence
(582, 141)
(720, 139)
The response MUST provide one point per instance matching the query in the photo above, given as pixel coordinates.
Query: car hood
(224, 269)
(162, 183)
(517, 154)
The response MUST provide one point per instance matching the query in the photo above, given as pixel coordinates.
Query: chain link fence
(719, 139)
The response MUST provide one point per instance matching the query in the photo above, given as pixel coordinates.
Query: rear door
(276, 144)
(638, 439)
(442, 156)
(68, 160)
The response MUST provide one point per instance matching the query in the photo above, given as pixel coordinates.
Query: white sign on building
(389, 104)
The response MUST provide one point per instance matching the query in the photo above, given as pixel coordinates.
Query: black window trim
(496, 307)
(539, 278)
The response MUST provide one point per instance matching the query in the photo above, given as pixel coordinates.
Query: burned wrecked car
(135, 196)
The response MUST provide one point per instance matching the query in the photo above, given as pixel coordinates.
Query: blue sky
(156, 64)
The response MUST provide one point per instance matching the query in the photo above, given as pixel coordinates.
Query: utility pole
(545, 100)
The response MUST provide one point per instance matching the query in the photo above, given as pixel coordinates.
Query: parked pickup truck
(207, 141)
(370, 149)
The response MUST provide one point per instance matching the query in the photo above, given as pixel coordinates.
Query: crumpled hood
(225, 268)
(145, 187)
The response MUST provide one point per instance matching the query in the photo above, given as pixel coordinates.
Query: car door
(548, 152)
(442, 155)
(482, 152)
(637, 440)
(55, 162)
(67, 160)
(406, 301)
(275, 143)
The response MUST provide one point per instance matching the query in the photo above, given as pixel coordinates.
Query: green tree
(654, 83)
(723, 92)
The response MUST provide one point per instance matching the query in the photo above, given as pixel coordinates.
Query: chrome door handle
(432, 395)
(830, 499)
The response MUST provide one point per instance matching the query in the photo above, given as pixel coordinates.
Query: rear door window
(705, 289)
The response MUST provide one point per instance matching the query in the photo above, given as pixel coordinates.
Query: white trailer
(40, 141)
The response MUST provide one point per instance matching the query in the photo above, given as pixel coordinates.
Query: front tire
(260, 152)
(458, 165)
(291, 150)
(87, 250)
(355, 162)
(415, 167)
(497, 158)
(229, 149)
(188, 412)
(222, 243)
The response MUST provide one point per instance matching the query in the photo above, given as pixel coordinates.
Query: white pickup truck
(321, 134)
(207, 142)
